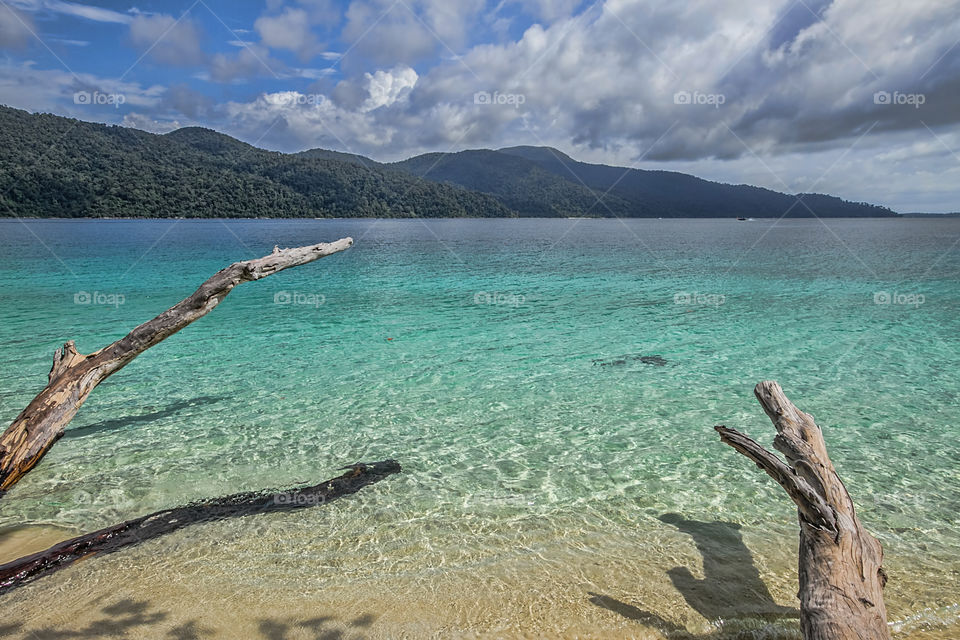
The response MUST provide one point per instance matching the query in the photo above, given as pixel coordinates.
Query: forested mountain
(518, 183)
(58, 167)
(672, 194)
(52, 166)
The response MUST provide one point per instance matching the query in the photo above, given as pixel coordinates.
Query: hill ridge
(53, 166)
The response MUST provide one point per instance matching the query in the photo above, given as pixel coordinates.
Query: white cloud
(96, 14)
(167, 39)
(87, 12)
(387, 32)
(148, 123)
(386, 87)
(289, 30)
(292, 120)
(53, 90)
(72, 43)
(311, 73)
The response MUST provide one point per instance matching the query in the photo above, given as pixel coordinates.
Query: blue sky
(856, 98)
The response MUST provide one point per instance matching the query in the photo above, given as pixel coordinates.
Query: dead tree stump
(841, 577)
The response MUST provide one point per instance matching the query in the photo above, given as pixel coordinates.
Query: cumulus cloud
(293, 120)
(280, 28)
(386, 87)
(167, 39)
(701, 80)
(289, 30)
(384, 31)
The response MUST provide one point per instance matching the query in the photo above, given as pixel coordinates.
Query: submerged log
(23, 570)
(841, 577)
(74, 375)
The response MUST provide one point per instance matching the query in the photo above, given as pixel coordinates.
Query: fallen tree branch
(23, 570)
(841, 577)
(74, 375)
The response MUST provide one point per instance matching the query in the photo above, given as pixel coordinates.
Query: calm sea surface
(554, 483)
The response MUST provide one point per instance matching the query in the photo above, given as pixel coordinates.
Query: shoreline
(555, 589)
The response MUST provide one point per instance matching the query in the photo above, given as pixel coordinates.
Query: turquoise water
(498, 361)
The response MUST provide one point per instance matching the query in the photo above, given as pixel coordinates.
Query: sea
(550, 388)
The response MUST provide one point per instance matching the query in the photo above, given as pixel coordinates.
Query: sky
(856, 98)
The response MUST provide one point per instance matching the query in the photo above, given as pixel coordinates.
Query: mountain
(541, 181)
(672, 194)
(51, 166)
(58, 167)
(518, 183)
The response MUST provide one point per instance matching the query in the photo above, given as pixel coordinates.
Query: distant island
(60, 167)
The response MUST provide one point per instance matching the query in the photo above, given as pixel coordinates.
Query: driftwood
(74, 375)
(29, 568)
(841, 577)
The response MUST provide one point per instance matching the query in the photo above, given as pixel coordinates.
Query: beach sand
(184, 586)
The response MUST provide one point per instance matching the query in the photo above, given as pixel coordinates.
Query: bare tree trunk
(28, 568)
(841, 577)
(74, 375)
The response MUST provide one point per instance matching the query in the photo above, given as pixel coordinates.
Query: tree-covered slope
(58, 167)
(519, 184)
(673, 194)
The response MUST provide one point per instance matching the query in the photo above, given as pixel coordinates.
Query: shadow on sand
(731, 585)
(731, 589)
(139, 619)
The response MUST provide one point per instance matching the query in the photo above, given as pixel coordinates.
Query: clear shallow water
(536, 478)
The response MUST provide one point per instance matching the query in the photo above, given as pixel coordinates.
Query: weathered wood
(841, 573)
(74, 375)
(23, 570)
